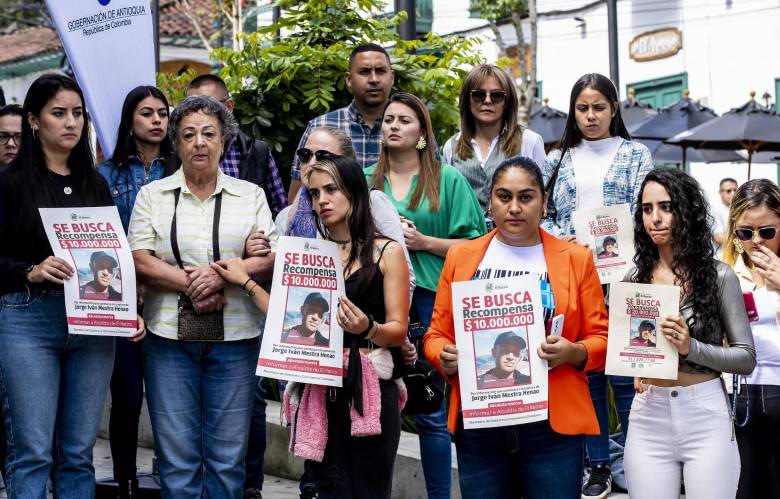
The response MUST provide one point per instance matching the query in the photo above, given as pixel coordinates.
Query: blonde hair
(752, 194)
(344, 140)
(513, 138)
(430, 169)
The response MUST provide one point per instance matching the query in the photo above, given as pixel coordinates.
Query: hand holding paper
(449, 360)
(52, 269)
(557, 350)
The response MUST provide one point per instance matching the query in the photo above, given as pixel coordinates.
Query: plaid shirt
(273, 187)
(365, 139)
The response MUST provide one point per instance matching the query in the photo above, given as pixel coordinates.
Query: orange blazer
(578, 297)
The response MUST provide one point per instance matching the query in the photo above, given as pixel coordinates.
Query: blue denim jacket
(125, 182)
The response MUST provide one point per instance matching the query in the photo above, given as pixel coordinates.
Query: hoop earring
(421, 144)
(382, 142)
(738, 246)
(35, 133)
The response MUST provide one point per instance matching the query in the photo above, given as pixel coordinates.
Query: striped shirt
(244, 210)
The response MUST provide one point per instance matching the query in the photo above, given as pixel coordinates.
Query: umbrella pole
(685, 150)
(750, 161)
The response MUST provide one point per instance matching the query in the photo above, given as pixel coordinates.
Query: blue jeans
(623, 388)
(53, 387)
(435, 441)
(528, 460)
(255, 453)
(200, 403)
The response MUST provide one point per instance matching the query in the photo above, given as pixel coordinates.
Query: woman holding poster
(143, 154)
(351, 434)
(50, 379)
(596, 165)
(540, 459)
(751, 248)
(683, 427)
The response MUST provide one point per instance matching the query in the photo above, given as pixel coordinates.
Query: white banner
(609, 233)
(110, 46)
(637, 346)
(100, 297)
(302, 340)
(498, 326)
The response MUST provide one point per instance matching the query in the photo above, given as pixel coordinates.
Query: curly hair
(693, 263)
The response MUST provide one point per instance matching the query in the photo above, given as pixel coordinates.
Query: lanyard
(214, 229)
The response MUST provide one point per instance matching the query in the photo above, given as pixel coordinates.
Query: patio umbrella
(548, 122)
(751, 127)
(683, 115)
(635, 112)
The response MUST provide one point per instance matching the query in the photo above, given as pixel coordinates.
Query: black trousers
(759, 442)
(359, 467)
(127, 396)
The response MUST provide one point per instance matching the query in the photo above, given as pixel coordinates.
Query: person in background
(245, 157)
(438, 209)
(596, 165)
(542, 459)
(489, 132)
(720, 212)
(10, 133)
(142, 155)
(682, 428)
(370, 77)
(54, 384)
(751, 247)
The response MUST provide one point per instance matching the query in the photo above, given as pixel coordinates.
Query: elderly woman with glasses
(201, 356)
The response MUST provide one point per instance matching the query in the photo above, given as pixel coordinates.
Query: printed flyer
(498, 325)
(100, 298)
(609, 232)
(302, 340)
(636, 345)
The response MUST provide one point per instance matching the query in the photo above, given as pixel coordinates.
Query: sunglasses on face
(496, 96)
(766, 233)
(5, 138)
(304, 154)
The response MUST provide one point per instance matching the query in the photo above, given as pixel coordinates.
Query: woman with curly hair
(684, 426)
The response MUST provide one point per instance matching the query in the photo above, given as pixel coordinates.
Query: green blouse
(459, 217)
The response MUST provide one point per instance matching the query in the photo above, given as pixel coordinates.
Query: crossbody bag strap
(214, 230)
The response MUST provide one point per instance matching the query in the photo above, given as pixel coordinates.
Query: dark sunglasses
(479, 96)
(305, 154)
(766, 233)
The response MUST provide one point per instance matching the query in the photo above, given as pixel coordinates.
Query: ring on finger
(674, 335)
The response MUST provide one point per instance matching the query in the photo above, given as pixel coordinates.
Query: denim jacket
(125, 182)
(621, 184)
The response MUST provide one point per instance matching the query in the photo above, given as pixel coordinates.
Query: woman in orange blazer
(543, 459)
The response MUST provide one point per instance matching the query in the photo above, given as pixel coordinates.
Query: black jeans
(127, 397)
(359, 467)
(759, 442)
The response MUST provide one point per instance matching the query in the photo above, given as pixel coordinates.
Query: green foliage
(173, 86)
(494, 10)
(279, 85)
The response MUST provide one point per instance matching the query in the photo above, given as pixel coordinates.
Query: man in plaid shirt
(245, 158)
(370, 77)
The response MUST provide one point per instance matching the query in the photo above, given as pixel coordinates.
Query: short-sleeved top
(244, 210)
(459, 217)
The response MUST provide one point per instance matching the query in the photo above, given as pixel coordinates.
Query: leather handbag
(425, 396)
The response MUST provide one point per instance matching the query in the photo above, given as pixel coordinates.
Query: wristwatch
(27, 270)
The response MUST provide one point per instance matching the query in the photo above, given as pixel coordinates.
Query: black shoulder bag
(193, 326)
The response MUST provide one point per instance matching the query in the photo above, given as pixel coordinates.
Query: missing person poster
(609, 233)
(498, 325)
(637, 346)
(302, 340)
(100, 298)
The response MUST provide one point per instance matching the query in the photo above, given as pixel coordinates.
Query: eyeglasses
(496, 96)
(304, 154)
(766, 233)
(5, 138)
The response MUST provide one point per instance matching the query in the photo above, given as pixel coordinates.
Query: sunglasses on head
(479, 96)
(305, 154)
(766, 233)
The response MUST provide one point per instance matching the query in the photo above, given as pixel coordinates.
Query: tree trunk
(526, 84)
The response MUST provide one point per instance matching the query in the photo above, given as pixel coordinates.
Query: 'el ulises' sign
(656, 44)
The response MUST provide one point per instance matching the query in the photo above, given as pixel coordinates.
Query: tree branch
(499, 38)
(188, 11)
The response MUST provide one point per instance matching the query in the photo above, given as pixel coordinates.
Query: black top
(23, 240)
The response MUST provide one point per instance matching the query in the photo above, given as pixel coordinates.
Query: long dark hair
(572, 135)
(693, 263)
(125, 143)
(28, 172)
(349, 178)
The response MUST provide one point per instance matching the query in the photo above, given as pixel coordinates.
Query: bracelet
(243, 286)
(373, 333)
(251, 290)
(364, 334)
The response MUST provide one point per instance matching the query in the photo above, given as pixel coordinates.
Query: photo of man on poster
(507, 353)
(313, 311)
(103, 268)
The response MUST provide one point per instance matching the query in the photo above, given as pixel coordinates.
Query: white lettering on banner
(96, 34)
(656, 44)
